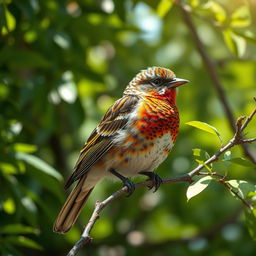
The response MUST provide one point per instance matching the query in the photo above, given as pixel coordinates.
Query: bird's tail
(72, 207)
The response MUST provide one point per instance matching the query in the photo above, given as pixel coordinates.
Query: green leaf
(39, 164)
(251, 222)
(201, 156)
(248, 35)
(241, 17)
(26, 148)
(243, 187)
(205, 127)
(198, 186)
(235, 43)
(10, 23)
(227, 155)
(241, 161)
(204, 164)
(23, 241)
(9, 206)
(217, 10)
(164, 7)
(18, 229)
(43, 173)
(8, 168)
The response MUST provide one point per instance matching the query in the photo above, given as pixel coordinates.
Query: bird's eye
(157, 82)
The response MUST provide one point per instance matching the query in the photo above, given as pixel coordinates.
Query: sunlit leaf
(205, 127)
(241, 17)
(235, 43)
(209, 168)
(243, 187)
(8, 168)
(9, 206)
(201, 156)
(217, 10)
(30, 36)
(39, 164)
(198, 186)
(23, 147)
(10, 22)
(164, 7)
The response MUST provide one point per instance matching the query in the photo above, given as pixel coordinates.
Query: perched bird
(134, 137)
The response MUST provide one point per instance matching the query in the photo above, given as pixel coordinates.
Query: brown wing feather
(100, 141)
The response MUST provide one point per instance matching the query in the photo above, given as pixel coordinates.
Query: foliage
(63, 63)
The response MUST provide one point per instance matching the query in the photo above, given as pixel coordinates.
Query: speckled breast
(156, 118)
(148, 140)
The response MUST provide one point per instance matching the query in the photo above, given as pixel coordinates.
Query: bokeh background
(62, 64)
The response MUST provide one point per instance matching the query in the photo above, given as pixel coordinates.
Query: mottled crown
(147, 74)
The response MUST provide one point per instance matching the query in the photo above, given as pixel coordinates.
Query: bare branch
(99, 206)
(248, 140)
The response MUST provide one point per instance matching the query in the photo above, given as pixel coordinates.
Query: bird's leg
(130, 186)
(156, 179)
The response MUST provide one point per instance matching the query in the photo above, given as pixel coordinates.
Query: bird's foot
(130, 185)
(155, 178)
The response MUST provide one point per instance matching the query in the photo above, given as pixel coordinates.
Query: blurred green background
(62, 64)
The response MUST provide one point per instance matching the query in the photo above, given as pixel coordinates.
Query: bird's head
(155, 81)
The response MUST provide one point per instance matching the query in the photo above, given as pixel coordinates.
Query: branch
(99, 206)
(212, 70)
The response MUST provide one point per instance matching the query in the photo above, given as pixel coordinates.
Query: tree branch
(212, 71)
(99, 206)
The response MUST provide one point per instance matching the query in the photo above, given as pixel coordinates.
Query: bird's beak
(177, 82)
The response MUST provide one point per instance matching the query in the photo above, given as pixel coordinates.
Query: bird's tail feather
(72, 207)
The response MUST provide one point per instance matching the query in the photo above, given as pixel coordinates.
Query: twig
(212, 70)
(222, 180)
(99, 206)
(236, 193)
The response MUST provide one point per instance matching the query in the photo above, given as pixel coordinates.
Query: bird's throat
(166, 95)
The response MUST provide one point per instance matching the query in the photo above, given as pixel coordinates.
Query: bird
(134, 137)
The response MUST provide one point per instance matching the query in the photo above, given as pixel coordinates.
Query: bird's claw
(155, 178)
(130, 186)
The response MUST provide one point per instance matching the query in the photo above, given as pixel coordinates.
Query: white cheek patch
(162, 91)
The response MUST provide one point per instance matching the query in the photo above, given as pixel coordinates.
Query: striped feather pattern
(101, 139)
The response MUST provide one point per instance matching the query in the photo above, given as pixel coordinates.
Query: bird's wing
(100, 141)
